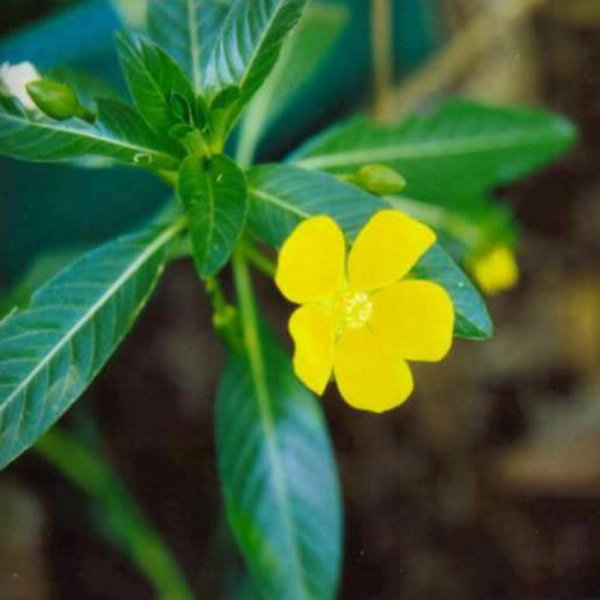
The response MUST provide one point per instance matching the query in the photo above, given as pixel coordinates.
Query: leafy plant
(204, 68)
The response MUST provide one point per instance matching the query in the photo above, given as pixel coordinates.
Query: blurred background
(486, 484)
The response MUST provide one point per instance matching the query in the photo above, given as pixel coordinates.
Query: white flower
(15, 79)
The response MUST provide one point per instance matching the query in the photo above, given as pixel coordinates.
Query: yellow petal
(313, 332)
(496, 271)
(370, 375)
(386, 249)
(311, 261)
(416, 317)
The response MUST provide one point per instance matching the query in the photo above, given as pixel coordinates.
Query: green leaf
(470, 227)
(248, 47)
(51, 351)
(187, 30)
(119, 133)
(460, 149)
(301, 54)
(472, 320)
(43, 268)
(154, 81)
(282, 196)
(278, 475)
(214, 195)
(85, 85)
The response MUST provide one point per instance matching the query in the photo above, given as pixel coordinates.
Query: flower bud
(380, 180)
(56, 100)
(14, 79)
(495, 270)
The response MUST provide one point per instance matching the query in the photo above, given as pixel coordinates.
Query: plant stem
(259, 260)
(382, 55)
(247, 305)
(94, 476)
(224, 316)
(250, 132)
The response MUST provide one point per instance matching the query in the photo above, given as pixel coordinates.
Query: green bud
(181, 108)
(56, 100)
(379, 180)
(225, 317)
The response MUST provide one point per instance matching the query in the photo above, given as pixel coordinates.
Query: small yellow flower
(496, 271)
(363, 321)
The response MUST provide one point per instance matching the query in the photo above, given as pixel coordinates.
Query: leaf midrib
(145, 72)
(263, 35)
(257, 47)
(263, 397)
(163, 239)
(117, 143)
(278, 202)
(416, 151)
(211, 217)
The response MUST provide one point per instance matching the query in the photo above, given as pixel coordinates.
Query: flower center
(354, 310)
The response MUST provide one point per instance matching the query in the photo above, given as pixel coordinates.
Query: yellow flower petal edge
(369, 375)
(312, 328)
(363, 325)
(417, 317)
(311, 261)
(496, 271)
(386, 248)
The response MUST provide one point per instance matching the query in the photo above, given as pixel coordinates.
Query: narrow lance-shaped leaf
(125, 523)
(213, 192)
(301, 55)
(52, 350)
(281, 196)
(248, 47)
(154, 80)
(460, 148)
(278, 475)
(187, 30)
(118, 133)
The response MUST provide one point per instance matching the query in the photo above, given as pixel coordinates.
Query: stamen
(355, 310)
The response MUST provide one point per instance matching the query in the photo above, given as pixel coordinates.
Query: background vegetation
(485, 485)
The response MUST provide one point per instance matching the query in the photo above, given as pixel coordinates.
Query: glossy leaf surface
(51, 350)
(187, 30)
(282, 196)
(214, 196)
(472, 318)
(153, 79)
(248, 47)
(301, 55)
(118, 133)
(460, 148)
(278, 475)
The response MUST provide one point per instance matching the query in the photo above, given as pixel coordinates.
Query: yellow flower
(496, 270)
(363, 321)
